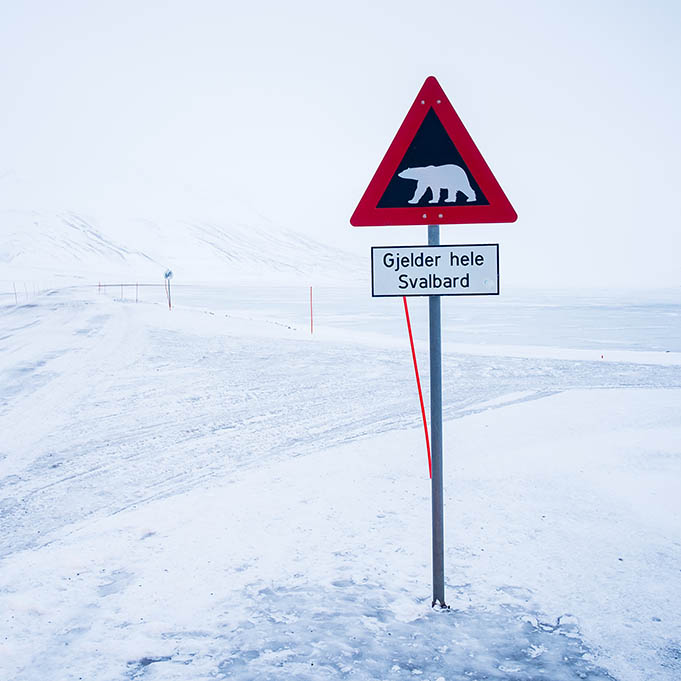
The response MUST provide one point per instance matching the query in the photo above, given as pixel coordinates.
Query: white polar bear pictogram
(436, 178)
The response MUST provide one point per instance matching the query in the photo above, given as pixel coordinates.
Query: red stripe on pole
(418, 385)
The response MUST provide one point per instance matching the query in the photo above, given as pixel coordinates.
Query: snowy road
(105, 399)
(109, 406)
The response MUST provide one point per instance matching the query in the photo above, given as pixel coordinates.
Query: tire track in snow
(138, 412)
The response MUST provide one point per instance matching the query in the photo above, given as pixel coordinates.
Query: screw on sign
(433, 174)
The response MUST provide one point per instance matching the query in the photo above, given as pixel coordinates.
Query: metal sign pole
(435, 329)
(168, 276)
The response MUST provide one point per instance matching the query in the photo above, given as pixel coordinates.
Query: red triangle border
(367, 214)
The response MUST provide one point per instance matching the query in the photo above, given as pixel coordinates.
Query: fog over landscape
(214, 450)
(118, 111)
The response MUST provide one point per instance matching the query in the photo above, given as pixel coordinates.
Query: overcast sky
(196, 108)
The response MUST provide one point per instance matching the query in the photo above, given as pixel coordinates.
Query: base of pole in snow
(435, 333)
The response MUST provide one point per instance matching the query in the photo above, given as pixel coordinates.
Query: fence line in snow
(19, 296)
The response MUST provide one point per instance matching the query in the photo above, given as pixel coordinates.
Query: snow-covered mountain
(72, 247)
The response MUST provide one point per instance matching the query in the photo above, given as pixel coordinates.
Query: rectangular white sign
(469, 270)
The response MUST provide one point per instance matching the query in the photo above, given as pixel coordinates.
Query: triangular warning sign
(432, 173)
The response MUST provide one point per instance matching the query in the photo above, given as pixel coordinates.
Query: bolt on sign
(432, 173)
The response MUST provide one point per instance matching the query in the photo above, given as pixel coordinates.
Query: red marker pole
(311, 317)
(418, 385)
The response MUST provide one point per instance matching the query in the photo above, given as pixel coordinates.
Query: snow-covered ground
(214, 492)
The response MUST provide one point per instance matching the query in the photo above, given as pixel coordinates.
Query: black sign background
(431, 147)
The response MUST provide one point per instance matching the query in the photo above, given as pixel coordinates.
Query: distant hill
(69, 247)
